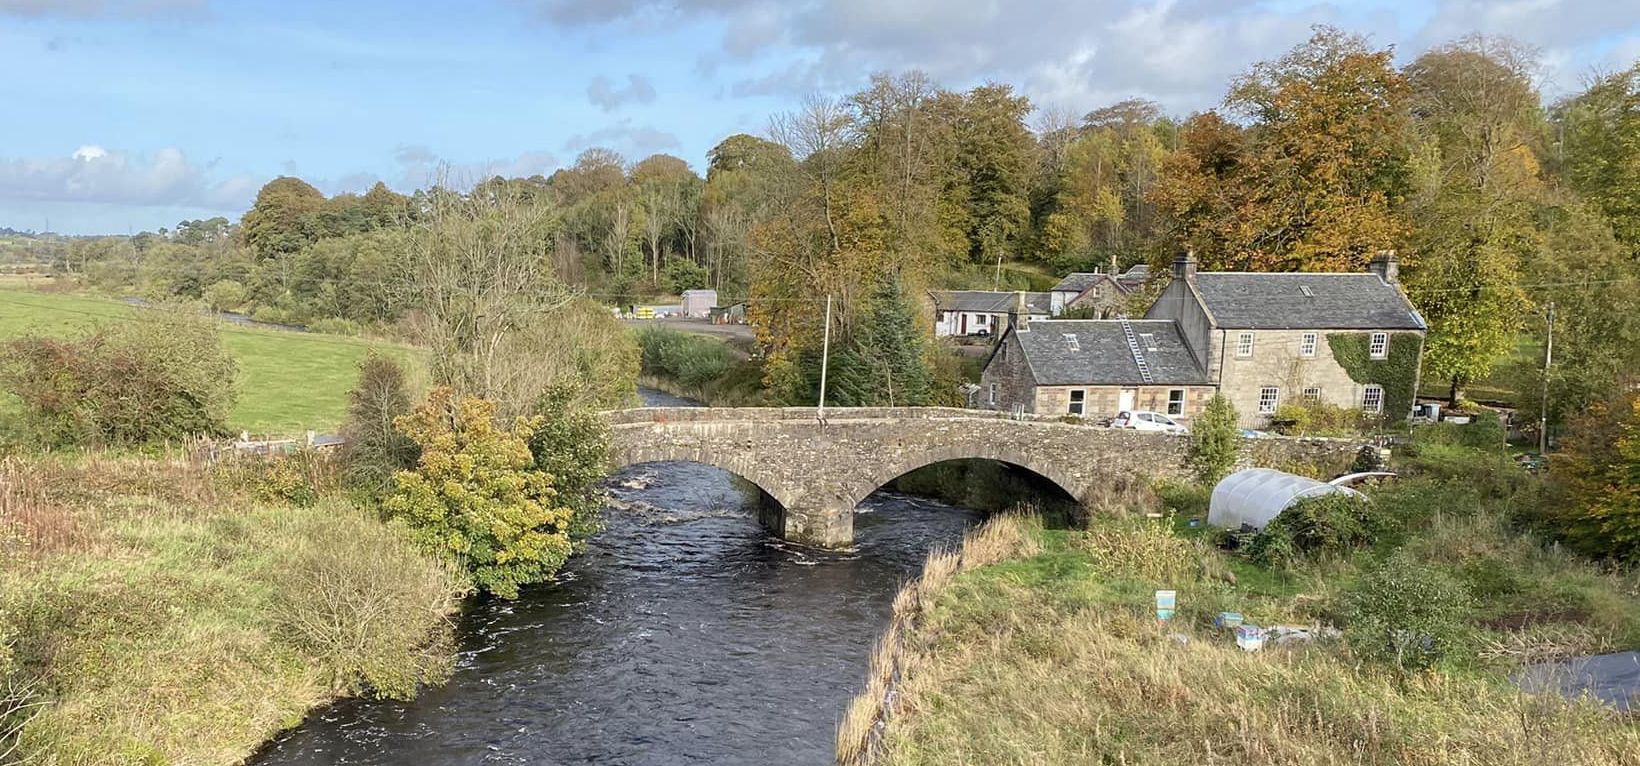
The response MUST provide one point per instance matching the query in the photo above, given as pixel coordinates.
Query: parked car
(1141, 420)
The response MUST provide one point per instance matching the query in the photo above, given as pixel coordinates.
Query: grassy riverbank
(153, 611)
(1048, 651)
(699, 367)
(288, 381)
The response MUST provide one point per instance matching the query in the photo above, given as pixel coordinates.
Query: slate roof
(1080, 281)
(987, 302)
(1302, 301)
(1100, 354)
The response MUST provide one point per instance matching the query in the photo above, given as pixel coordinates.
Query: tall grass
(184, 622)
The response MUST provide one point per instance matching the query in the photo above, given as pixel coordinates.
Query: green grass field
(288, 381)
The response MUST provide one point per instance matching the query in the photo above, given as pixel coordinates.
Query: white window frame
(1175, 407)
(1372, 399)
(1268, 405)
(1378, 346)
(1244, 345)
(1312, 394)
(1074, 407)
(1306, 344)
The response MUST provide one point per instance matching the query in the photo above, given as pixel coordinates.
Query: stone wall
(818, 471)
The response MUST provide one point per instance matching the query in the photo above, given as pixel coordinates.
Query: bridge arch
(1041, 465)
(739, 464)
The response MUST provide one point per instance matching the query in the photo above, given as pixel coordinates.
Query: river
(684, 634)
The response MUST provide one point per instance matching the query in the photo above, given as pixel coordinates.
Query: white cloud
(609, 97)
(95, 174)
(632, 141)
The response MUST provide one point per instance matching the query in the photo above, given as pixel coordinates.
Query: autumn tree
(282, 220)
(1600, 467)
(1316, 180)
(1600, 149)
(996, 154)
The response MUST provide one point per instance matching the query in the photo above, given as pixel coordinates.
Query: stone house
(982, 312)
(1266, 339)
(1096, 291)
(1089, 368)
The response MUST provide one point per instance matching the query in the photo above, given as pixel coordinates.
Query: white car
(1141, 420)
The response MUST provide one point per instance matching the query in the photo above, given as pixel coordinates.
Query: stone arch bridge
(818, 471)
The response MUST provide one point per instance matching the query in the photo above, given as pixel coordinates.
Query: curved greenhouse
(1254, 496)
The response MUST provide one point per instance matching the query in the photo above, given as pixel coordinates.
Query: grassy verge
(699, 367)
(288, 381)
(1052, 654)
(154, 611)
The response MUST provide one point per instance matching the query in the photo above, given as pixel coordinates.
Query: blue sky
(124, 115)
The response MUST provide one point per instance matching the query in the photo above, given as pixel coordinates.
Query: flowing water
(684, 634)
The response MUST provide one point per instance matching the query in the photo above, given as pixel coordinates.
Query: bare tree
(815, 134)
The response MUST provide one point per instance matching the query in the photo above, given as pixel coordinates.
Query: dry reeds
(1003, 537)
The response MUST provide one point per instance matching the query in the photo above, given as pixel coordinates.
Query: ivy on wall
(1397, 372)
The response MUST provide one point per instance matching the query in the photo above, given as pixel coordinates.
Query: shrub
(572, 446)
(691, 360)
(374, 449)
(335, 326)
(1332, 523)
(1600, 469)
(684, 274)
(476, 496)
(1215, 441)
(283, 480)
(1317, 419)
(1407, 614)
(226, 295)
(162, 376)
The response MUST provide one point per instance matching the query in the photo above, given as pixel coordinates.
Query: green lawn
(288, 381)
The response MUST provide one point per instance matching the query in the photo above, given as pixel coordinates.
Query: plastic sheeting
(1256, 495)
(1613, 679)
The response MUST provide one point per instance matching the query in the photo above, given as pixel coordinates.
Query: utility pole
(1548, 359)
(825, 356)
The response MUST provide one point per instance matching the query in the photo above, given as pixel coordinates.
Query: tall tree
(282, 220)
(1600, 149)
(886, 365)
(996, 154)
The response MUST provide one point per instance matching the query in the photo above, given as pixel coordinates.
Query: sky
(120, 116)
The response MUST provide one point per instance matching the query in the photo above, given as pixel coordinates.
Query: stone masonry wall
(819, 471)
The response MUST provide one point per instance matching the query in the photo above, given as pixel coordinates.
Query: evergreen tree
(885, 366)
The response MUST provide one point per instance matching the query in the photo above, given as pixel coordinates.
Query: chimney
(1184, 266)
(1386, 267)
(1020, 315)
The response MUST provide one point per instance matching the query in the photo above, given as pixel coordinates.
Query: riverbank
(699, 367)
(156, 610)
(1053, 653)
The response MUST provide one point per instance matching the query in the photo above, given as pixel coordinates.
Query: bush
(164, 376)
(1215, 441)
(1336, 522)
(1317, 419)
(1600, 470)
(284, 480)
(572, 446)
(373, 448)
(691, 360)
(335, 326)
(476, 496)
(684, 274)
(226, 295)
(1407, 614)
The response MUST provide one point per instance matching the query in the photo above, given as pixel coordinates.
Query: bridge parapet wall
(818, 472)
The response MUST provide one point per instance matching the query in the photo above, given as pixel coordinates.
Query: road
(697, 326)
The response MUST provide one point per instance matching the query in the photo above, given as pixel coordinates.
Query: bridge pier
(817, 525)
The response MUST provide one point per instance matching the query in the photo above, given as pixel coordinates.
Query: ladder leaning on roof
(1133, 347)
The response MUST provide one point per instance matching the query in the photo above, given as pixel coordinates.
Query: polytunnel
(1256, 495)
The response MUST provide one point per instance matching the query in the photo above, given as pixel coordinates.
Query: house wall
(1276, 361)
(1008, 372)
(948, 323)
(1179, 303)
(1103, 297)
(1105, 401)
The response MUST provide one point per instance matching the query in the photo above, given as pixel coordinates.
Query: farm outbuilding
(1254, 496)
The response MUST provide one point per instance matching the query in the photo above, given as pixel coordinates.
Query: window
(993, 395)
(1267, 398)
(983, 319)
(1244, 345)
(1070, 340)
(1379, 347)
(1306, 344)
(1079, 400)
(1148, 340)
(1175, 401)
(1312, 394)
(1372, 398)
